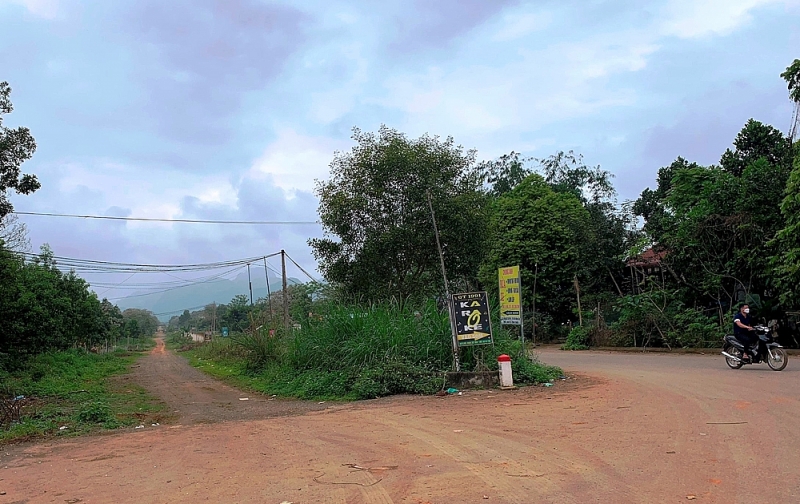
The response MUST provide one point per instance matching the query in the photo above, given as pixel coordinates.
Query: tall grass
(356, 338)
(360, 352)
(74, 389)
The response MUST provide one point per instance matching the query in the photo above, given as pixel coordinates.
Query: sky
(232, 109)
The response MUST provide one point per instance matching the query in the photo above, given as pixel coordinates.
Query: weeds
(351, 352)
(72, 392)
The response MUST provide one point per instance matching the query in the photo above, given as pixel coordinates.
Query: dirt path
(643, 429)
(195, 397)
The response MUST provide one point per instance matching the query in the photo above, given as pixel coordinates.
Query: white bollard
(504, 362)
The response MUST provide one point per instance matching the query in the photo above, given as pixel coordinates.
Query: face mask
(747, 310)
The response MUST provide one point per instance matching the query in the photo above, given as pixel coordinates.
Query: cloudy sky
(230, 109)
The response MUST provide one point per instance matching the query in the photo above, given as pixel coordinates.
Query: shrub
(95, 412)
(578, 339)
(260, 348)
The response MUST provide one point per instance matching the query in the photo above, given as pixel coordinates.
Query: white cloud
(699, 18)
(48, 9)
(515, 25)
(294, 160)
(147, 193)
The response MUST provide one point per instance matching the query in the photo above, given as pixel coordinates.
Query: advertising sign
(471, 313)
(510, 296)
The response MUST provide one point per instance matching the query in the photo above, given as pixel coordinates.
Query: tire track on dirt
(195, 397)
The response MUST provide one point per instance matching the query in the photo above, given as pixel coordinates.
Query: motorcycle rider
(743, 331)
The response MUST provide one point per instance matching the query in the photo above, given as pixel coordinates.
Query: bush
(95, 412)
(578, 339)
(260, 348)
(658, 319)
(359, 353)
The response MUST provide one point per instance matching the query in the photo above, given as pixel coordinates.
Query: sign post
(511, 298)
(472, 320)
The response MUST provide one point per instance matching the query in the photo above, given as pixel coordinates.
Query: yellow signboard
(510, 296)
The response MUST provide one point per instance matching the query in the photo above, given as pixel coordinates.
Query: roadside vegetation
(66, 393)
(355, 352)
(60, 346)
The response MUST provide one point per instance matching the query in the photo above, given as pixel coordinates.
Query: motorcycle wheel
(733, 364)
(779, 361)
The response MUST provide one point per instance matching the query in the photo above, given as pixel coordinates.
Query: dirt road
(642, 428)
(195, 397)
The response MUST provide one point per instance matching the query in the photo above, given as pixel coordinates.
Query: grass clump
(75, 390)
(351, 352)
(578, 339)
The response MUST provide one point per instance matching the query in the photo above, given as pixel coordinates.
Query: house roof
(649, 257)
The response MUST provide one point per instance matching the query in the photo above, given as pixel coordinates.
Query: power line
(184, 221)
(90, 265)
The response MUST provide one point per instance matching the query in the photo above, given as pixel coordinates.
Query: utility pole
(250, 283)
(535, 275)
(456, 361)
(214, 320)
(285, 293)
(269, 294)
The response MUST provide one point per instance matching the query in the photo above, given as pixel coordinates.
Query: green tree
(16, 147)
(44, 309)
(379, 239)
(184, 320)
(504, 173)
(755, 141)
(792, 78)
(112, 320)
(787, 259)
(236, 315)
(146, 322)
(567, 173)
(536, 225)
(13, 234)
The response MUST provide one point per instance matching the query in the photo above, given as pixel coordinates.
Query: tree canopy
(379, 238)
(16, 146)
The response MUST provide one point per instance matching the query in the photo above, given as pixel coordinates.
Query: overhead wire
(92, 267)
(184, 221)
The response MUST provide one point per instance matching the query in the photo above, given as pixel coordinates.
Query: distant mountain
(193, 297)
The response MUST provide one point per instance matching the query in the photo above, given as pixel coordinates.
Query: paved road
(626, 428)
(764, 449)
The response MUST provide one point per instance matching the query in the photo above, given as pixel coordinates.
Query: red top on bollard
(504, 358)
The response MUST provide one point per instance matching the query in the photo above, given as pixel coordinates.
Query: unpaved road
(194, 397)
(629, 428)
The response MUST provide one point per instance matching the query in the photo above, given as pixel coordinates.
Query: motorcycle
(765, 350)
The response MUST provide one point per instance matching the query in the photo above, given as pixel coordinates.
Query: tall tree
(504, 173)
(533, 224)
(13, 234)
(787, 260)
(757, 140)
(792, 78)
(16, 147)
(379, 240)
